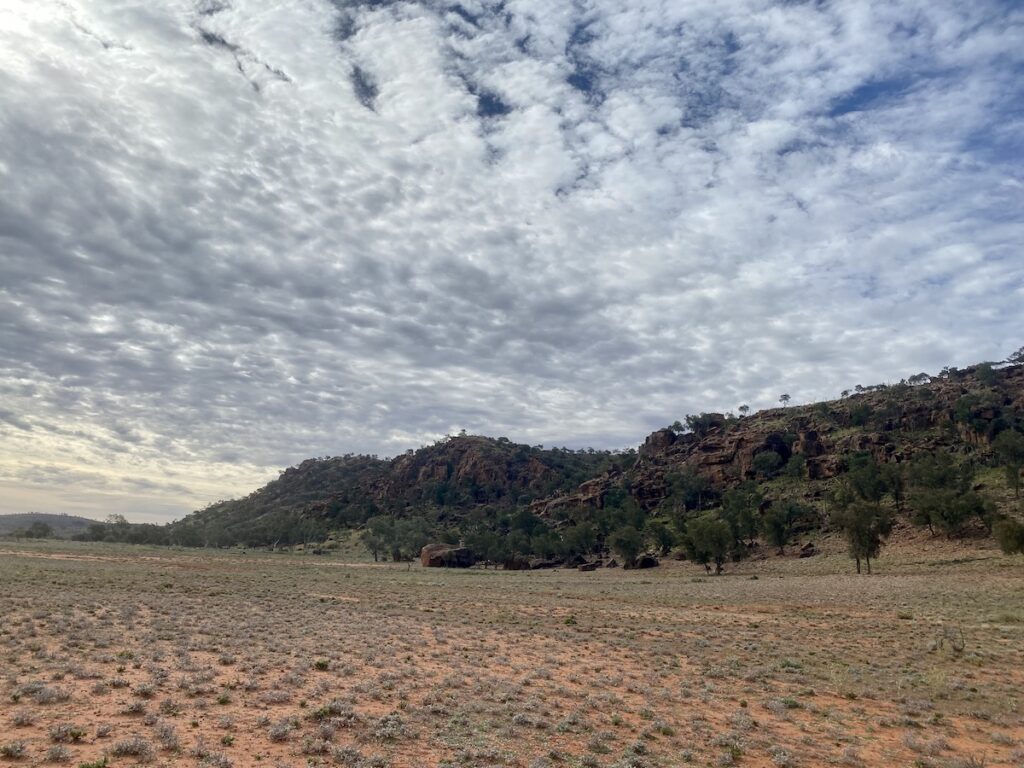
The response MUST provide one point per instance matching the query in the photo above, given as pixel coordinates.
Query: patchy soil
(184, 658)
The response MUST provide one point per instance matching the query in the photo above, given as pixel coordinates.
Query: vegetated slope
(61, 526)
(438, 483)
(742, 481)
(797, 451)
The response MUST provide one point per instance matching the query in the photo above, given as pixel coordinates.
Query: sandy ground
(283, 660)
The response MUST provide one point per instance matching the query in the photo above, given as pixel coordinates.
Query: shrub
(1010, 535)
(280, 731)
(66, 732)
(766, 463)
(167, 735)
(23, 717)
(134, 746)
(50, 695)
(58, 753)
(13, 750)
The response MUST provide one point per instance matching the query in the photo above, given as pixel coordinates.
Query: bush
(58, 753)
(860, 414)
(66, 732)
(389, 728)
(627, 543)
(767, 463)
(135, 746)
(14, 750)
(708, 539)
(1010, 535)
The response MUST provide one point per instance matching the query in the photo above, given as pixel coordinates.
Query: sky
(235, 234)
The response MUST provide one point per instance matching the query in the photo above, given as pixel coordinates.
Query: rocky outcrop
(959, 411)
(446, 556)
(589, 495)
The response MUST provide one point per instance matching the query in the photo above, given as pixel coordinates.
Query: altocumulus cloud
(235, 233)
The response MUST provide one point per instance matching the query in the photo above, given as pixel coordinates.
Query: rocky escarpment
(959, 411)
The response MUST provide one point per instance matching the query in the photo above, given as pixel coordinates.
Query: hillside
(958, 412)
(439, 483)
(941, 452)
(62, 526)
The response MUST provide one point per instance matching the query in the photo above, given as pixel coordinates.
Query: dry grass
(221, 658)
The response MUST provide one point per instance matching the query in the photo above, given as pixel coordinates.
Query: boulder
(446, 556)
(808, 550)
(657, 442)
(646, 561)
(587, 567)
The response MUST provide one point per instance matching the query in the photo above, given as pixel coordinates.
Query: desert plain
(115, 655)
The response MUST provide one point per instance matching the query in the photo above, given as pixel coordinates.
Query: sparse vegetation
(639, 673)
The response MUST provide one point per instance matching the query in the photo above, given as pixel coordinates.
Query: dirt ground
(192, 658)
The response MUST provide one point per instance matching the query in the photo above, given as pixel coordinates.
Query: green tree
(778, 522)
(784, 399)
(860, 414)
(1009, 448)
(985, 372)
(409, 536)
(740, 507)
(580, 539)
(859, 511)
(766, 464)
(378, 535)
(941, 494)
(660, 536)
(689, 490)
(708, 539)
(895, 478)
(865, 478)
(627, 543)
(117, 527)
(1017, 358)
(39, 530)
(866, 526)
(796, 467)
(702, 423)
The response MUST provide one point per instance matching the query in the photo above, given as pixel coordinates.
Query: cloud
(234, 235)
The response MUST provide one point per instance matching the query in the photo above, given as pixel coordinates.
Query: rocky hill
(510, 499)
(958, 411)
(439, 482)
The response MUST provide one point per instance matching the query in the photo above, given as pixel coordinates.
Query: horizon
(235, 236)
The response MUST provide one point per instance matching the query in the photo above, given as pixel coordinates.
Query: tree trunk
(869, 565)
(858, 564)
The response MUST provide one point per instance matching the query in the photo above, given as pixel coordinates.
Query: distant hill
(63, 526)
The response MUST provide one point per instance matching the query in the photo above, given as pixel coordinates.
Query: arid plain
(126, 654)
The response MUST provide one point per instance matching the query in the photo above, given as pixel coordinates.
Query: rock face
(960, 410)
(589, 495)
(446, 556)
